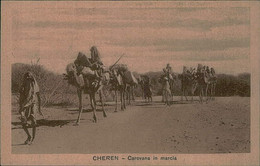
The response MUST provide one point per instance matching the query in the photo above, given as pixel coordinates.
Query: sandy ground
(221, 126)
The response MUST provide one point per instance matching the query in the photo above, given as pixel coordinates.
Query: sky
(148, 36)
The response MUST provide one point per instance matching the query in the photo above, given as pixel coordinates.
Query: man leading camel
(28, 101)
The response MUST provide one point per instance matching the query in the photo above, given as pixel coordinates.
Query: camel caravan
(204, 80)
(90, 76)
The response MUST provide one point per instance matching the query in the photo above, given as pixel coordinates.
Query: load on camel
(88, 76)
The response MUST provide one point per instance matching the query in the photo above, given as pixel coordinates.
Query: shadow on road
(76, 111)
(44, 122)
(160, 103)
(19, 144)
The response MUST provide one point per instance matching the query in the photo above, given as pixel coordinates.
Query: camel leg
(210, 92)
(186, 95)
(206, 93)
(214, 91)
(116, 100)
(133, 96)
(121, 99)
(102, 103)
(192, 92)
(142, 92)
(167, 98)
(126, 93)
(182, 95)
(163, 99)
(201, 94)
(93, 105)
(124, 100)
(213, 94)
(79, 91)
(129, 96)
(171, 96)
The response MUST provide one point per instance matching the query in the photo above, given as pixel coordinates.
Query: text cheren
(95, 158)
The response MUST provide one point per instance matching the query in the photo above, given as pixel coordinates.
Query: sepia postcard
(130, 82)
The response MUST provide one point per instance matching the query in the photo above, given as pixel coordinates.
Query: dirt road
(221, 126)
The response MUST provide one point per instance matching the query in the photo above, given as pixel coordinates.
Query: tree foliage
(55, 90)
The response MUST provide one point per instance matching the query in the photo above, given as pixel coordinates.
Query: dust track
(221, 126)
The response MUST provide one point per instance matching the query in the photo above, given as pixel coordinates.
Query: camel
(203, 82)
(188, 82)
(118, 85)
(130, 83)
(130, 92)
(90, 89)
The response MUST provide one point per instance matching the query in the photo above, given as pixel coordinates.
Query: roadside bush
(53, 89)
(56, 91)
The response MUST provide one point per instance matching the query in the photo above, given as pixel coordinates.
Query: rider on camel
(92, 67)
(168, 71)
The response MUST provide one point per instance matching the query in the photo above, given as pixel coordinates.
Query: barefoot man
(29, 96)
